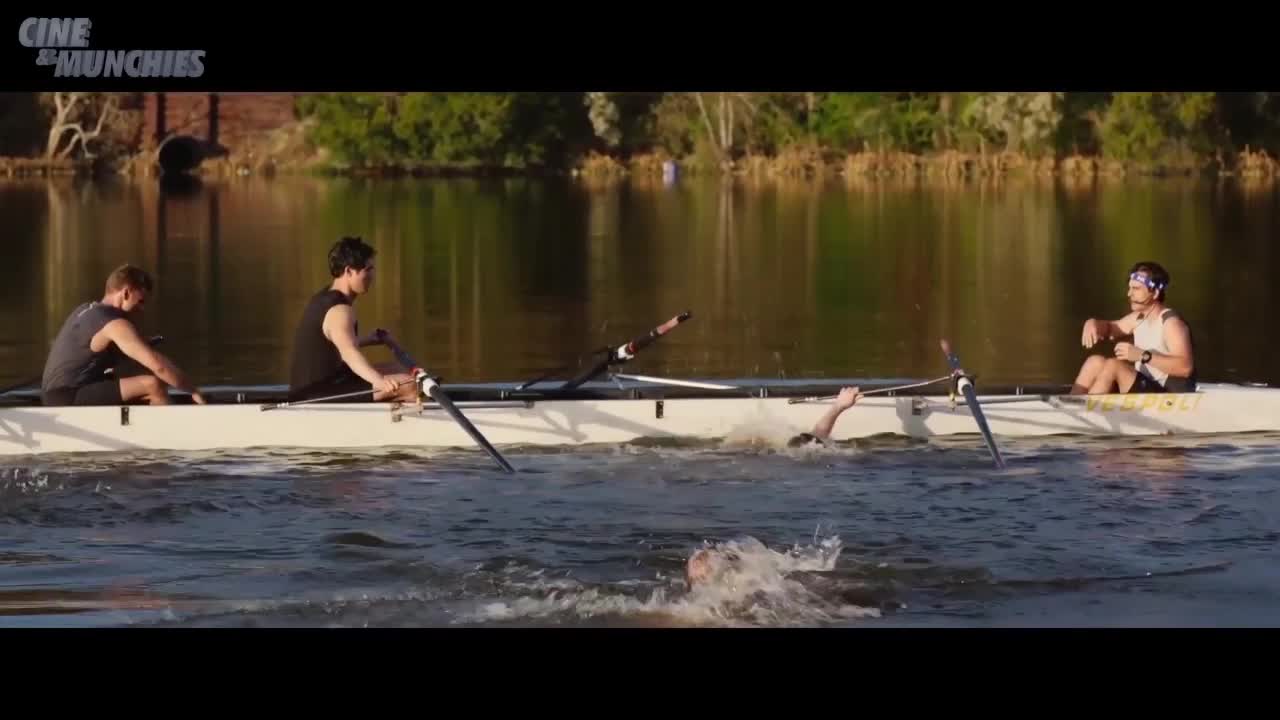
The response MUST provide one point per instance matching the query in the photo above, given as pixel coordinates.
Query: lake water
(503, 279)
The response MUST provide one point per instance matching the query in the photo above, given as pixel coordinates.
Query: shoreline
(796, 164)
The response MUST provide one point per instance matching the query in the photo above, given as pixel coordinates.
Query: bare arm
(845, 400)
(125, 336)
(1179, 361)
(339, 327)
(1097, 330)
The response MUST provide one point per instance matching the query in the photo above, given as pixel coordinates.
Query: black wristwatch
(1146, 356)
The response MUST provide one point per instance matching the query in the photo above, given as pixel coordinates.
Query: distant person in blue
(1159, 358)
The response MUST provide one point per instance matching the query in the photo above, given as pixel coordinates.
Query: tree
(721, 131)
(1026, 121)
(604, 116)
(70, 110)
(1144, 126)
(357, 127)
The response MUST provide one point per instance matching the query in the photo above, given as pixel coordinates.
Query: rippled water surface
(886, 532)
(501, 280)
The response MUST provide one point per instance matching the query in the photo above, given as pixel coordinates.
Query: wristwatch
(1146, 356)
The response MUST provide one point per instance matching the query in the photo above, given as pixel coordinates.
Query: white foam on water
(761, 431)
(749, 585)
(23, 481)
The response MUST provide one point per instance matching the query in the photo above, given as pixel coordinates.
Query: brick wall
(238, 114)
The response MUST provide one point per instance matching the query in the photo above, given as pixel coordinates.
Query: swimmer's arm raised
(845, 400)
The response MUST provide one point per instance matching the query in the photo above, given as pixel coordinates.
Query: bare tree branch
(711, 133)
(61, 127)
(729, 124)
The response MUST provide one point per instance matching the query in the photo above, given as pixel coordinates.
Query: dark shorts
(1144, 384)
(103, 392)
(341, 385)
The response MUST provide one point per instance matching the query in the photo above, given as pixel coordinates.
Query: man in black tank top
(327, 359)
(95, 338)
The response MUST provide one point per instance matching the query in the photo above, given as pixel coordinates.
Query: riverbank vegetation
(796, 134)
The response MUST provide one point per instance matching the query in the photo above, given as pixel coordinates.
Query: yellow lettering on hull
(1143, 402)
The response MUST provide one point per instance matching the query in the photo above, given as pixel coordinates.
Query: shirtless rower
(327, 359)
(1159, 358)
(96, 338)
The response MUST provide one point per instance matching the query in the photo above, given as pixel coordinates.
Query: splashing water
(749, 585)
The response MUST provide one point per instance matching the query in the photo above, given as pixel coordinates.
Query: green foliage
(1079, 132)
(677, 124)
(527, 130)
(357, 127)
(454, 129)
(1145, 127)
(1024, 122)
(778, 121)
(849, 122)
(637, 120)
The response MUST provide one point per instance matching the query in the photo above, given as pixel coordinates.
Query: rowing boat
(624, 408)
(629, 408)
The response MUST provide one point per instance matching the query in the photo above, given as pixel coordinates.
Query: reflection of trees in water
(498, 279)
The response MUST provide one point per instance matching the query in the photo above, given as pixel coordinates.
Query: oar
(432, 389)
(626, 351)
(971, 397)
(330, 398)
(815, 398)
(154, 341)
(19, 386)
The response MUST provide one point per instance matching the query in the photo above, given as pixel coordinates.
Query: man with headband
(1159, 358)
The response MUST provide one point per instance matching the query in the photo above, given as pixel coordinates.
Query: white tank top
(1149, 335)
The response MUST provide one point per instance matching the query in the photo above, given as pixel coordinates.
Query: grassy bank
(808, 162)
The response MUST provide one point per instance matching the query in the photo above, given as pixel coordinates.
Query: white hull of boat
(1214, 409)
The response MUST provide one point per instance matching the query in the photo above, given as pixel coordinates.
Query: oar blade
(442, 399)
(971, 399)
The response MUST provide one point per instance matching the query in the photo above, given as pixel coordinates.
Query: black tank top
(71, 363)
(315, 359)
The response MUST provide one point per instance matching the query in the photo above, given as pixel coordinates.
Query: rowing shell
(609, 414)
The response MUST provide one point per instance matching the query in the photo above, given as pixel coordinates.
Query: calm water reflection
(490, 280)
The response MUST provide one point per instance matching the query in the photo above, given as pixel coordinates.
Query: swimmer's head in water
(707, 563)
(804, 439)
(698, 569)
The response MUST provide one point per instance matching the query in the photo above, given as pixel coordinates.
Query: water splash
(750, 585)
(19, 481)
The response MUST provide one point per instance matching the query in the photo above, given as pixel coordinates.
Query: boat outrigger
(622, 408)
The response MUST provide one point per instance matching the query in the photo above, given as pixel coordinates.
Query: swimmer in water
(699, 567)
(822, 429)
